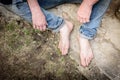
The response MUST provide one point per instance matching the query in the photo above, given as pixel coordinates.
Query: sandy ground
(29, 54)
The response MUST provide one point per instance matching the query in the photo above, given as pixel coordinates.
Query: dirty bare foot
(86, 54)
(64, 37)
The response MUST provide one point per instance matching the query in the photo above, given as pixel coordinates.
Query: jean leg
(74, 1)
(23, 10)
(89, 30)
(16, 1)
(47, 4)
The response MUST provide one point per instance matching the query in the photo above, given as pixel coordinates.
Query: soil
(28, 54)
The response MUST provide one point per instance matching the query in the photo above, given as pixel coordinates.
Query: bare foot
(86, 54)
(64, 37)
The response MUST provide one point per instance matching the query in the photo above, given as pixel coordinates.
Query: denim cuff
(59, 27)
(87, 33)
(86, 37)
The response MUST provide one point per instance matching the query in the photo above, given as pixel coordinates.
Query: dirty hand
(39, 21)
(84, 12)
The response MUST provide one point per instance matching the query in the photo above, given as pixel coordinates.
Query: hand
(84, 12)
(39, 21)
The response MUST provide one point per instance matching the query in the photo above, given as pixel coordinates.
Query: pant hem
(86, 37)
(58, 29)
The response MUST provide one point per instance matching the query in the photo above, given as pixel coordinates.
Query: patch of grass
(62, 58)
(27, 31)
(60, 71)
(10, 26)
(28, 42)
(58, 51)
(36, 31)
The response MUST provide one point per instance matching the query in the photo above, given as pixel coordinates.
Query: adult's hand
(39, 21)
(84, 12)
(38, 18)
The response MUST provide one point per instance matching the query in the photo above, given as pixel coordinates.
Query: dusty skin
(64, 37)
(86, 53)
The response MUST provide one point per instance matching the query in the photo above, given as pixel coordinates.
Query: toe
(88, 61)
(83, 62)
(65, 50)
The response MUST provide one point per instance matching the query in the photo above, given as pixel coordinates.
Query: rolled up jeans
(87, 30)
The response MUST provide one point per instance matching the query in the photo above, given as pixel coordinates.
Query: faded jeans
(87, 30)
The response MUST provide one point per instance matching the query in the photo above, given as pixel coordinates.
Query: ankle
(66, 26)
(83, 39)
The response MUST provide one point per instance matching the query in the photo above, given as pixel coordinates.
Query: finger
(46, 23)
(87, 20)
(44, 27)
(81, 19)
(78, 18)
(40, 28)
(84, 20)
(37, 27)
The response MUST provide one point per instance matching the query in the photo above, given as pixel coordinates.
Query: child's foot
(64, 37)
(86, 54)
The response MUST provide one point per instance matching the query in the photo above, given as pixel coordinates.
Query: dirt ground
(28, 54)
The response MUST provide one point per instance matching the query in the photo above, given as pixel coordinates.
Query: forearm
(34, 6)
(90, 2)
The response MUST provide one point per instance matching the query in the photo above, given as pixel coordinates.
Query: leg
(88, 31)
(54, 22)
(74, 1)
(46, 4)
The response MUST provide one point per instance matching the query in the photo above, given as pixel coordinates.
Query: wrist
(90, 2)
(36, 11)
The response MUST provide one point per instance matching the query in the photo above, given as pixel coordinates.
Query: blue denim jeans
(87, 30)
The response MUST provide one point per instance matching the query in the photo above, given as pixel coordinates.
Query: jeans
(87, 30)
